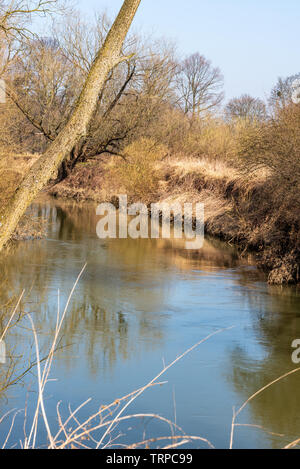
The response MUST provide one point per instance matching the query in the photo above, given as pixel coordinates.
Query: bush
(213, 140)
(138, 172)
(275, 147)
(209, 138)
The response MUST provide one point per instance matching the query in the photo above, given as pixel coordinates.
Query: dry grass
(236, 413)
(139, 172)
(218, 169)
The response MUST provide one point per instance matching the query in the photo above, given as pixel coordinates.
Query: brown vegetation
(12, 170)
(246, 177)
(157, 133)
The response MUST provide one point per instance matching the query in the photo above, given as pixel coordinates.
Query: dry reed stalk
(261, 390)
(12, 316)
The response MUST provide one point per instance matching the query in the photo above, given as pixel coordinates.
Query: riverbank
(242, 209)
(238, 208)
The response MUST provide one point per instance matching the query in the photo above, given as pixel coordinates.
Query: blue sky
(252, 41)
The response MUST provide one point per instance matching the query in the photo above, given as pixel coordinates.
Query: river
(138, 305)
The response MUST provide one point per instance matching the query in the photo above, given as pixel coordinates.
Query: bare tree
(281, 94)
(108, 57)
(246, 107)
(44, 86)
(46, 80)
(48, 75)
(199, 85)
(15, 19)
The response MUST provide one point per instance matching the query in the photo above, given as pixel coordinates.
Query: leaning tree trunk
(107, 58)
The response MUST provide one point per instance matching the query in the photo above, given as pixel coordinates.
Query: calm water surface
(140, 304)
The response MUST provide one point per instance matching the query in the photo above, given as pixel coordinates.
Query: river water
(138, 305)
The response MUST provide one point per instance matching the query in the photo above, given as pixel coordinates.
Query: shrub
(275, 147)
(214, 139)
(138, 172)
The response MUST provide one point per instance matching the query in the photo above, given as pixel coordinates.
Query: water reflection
(275, 324)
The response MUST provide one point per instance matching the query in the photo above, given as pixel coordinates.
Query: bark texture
(107, 58)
